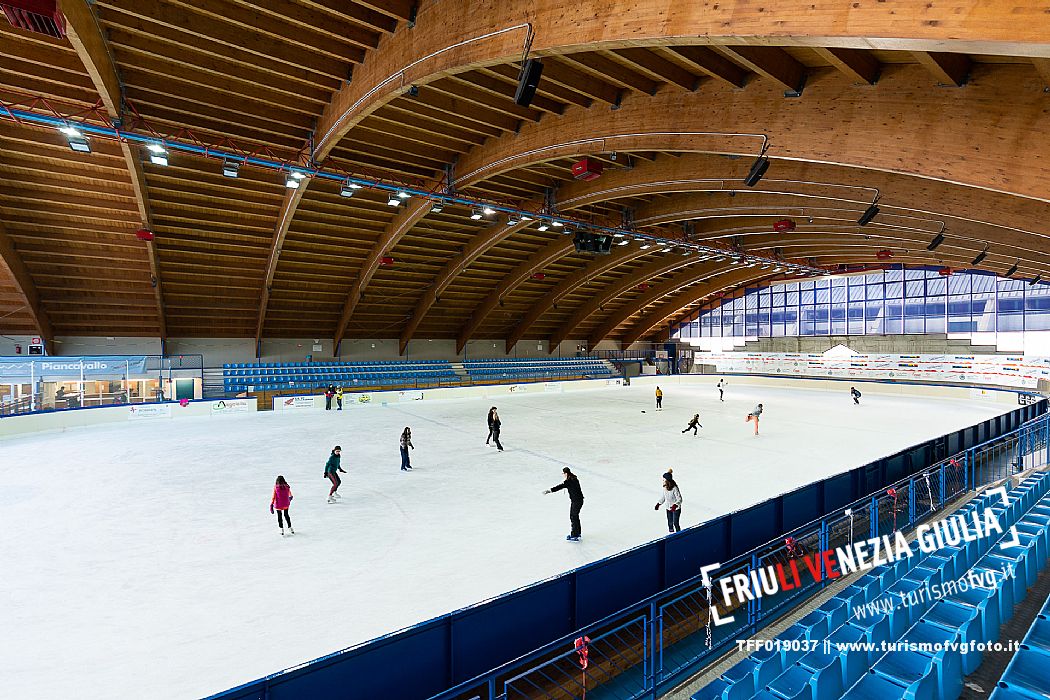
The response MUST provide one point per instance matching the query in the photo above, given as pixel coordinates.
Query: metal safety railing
(646, 648)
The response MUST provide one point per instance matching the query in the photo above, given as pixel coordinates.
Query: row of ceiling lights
(158, 155)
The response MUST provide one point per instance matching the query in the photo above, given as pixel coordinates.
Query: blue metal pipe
(119, 134)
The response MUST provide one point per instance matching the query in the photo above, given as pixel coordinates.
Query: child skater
(753, 416)
(693, 424)
(855, 394)
(572, 485)
(282, 498)
(672, 497)
(659, 397)
(331, 472)
(406, 442)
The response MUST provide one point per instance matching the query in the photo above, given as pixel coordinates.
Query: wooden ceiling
(941, 112)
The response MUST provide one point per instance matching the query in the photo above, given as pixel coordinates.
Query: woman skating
(672, 498)
(491, 412)
(495, 425)
(753, 416)
(572, 485)
(693, 423)
(331, 472)
(659, 397)
(281, 500)
(406, 442)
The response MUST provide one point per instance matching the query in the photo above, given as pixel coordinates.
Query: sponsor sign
(552, 387)
(296, 403)
(518, 388)
(364, 398)
(414, 395)
(149, 410)
(227, 407)
(53, 368)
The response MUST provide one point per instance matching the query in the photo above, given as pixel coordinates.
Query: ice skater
(855, 394)
(572, 485)
(753, 416)
(406, 442)
(339, 398)
(491, 412)
(693, 424)
(672, 498)
(329, 394)
(331, 472)
(494, 427)
(282, 499)
(659, 397)
(721, 386)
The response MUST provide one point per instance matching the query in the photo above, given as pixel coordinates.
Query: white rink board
(141, 560)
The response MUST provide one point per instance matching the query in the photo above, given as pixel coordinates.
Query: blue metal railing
(671, 657)
(523, 643)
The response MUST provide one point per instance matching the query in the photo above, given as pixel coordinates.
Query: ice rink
(141, 560)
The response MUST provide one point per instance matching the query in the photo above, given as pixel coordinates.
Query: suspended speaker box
(528, 82)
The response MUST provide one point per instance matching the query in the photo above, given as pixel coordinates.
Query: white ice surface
(141, 560)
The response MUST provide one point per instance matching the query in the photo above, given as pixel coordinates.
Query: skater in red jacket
(281, 500)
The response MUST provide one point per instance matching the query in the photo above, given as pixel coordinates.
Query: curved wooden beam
(595, 268)
(288, 206)
(478, 246)
(394, 232)
(614, 289)
(435, 46)
(12, 262)
(85, 36)
(541, 258)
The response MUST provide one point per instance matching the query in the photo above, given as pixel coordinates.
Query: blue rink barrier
(644, 611)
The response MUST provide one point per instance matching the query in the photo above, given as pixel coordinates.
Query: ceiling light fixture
(557, 224)
(157, 154)
(475, 214)
(1012, 270)
(488, 211)
(402, 194)
(936, 242)
(980, 257)
(393, 200)
(230, 168)
(347, 189)
(543, 227)
(1035, 280)
(438, 207)
(758, 169)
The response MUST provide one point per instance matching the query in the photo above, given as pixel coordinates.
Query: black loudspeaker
(528, 82)
(592, 243)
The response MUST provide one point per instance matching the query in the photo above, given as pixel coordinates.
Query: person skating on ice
(693, 423)
(671, 497)
(659, 397)
(496, 426)
(281, 500)
(492, 412)
(406, 442)
(331, 472)
(329, 394)
(572, 485)
(339, 398)
(855, 394)
(721, 386)
(753, 416)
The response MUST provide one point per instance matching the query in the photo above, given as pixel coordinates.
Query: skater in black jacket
(855, 394)
(492, 412)
(495, 426)
(406, 442)
(693, 424)
(572, 485)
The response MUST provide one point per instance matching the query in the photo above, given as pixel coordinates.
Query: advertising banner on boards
(149, 411)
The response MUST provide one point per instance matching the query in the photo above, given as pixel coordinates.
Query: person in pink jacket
(282, 498)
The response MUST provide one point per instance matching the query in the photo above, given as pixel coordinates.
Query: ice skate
(331, 499)
(282, 532)
(573, 538)
(290, 530)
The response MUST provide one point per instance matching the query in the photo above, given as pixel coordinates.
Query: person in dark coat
(572, 485)
(329, 394)
(332, 469)
(855, 394)
(494, 427)
(693, 424)
(491, 412)
(406, 442)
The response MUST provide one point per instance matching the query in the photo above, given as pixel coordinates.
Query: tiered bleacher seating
(535, 368)
(974, 614)
(279, 376)
(1028, 675)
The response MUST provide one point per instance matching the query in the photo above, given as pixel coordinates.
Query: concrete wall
(219, 351)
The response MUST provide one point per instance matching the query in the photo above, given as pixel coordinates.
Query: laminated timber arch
(581, 130)
(921, 143)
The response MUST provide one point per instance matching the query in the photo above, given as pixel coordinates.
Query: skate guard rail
(642, 615)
